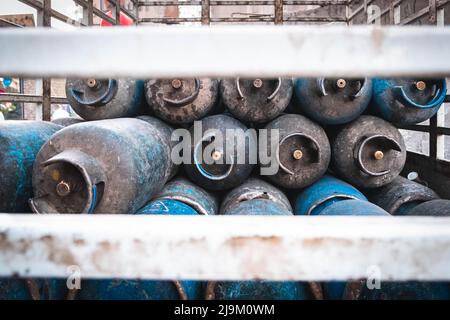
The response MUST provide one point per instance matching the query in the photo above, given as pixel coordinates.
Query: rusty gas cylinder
(368, 152)
(303, 152)
(256, 100)
(105, 166)
(98, 99)
(254, 188)
(401, 195)
(333, 100)
(220, 153)
(181, 101)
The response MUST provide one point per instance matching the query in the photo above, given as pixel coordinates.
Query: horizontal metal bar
(314, 19)
(225, 248)
(244, 19)
(29, 98)
(55, 14)
(421, 128)
(291, 50)
(242, 3)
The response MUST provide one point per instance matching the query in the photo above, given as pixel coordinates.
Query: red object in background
(124, 20)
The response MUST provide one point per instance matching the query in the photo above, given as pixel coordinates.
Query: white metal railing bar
(222, 51)
(221, 247)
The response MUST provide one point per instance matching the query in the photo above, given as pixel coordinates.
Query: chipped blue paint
(332, 108)
(392, 103)
(116, 289)
(255, 290)
(48, 289)
(20, 143)
(328, 190)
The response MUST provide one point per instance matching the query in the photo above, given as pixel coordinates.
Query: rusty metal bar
(170, 20)
(88, 13)
(314, 19)
(46, 82)
(206, 12)
(225, 248)
(278, 10)
(28, 98)
(244, 19)
(432, 18)
(6, 23)
(243, 3)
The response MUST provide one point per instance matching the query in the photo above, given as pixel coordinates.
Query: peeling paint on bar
(225, 248)
(243, 51)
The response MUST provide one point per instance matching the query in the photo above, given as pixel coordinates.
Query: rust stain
(79, 242)
(378, 38)
(237, 242)
(318, 242)
(100, 257)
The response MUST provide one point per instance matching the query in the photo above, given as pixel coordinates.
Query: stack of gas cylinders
(161, 147)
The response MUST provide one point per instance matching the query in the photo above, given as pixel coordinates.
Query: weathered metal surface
(256, 100)
(225, 248)
(222, 290)
(122, 289)
(408, 291)
(401, 195)
(119, 289)
(181, 101)
(66, 121)
(323, 193)
(221, 169)
(167, 206)
(33, 289)
(254, 188)
(98, 99)
(113, 166)
(20, 97)
(20, 142)
(352, 207)
(355, 290)
(436, 208)
(300, 51)
(303, 153)
(165, 132)
(408, 101)
(332, 100)
(259, 290)
(184, 191)
(368, 152)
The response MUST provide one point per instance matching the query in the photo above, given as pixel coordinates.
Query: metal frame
(429, 14)
(44, 14)
(225, 247)
(308, 248)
